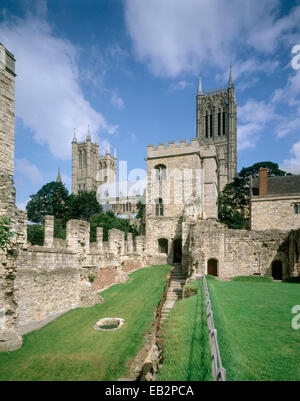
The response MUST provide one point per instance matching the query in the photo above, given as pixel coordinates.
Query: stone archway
(163, 245)
(277, 270)
(177, 250)
(212, 267)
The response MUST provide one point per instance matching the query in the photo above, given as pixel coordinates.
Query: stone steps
(174, 292)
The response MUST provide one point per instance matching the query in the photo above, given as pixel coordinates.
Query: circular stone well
(109, 324)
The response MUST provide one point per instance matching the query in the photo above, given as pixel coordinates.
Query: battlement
(173, 149)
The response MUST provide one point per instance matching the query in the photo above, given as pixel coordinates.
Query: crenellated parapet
(173, 149)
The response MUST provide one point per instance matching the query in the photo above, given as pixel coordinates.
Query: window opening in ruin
(163, 245)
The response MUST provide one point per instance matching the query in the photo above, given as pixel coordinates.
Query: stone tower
(89, 169)
(216, 124)
(7, 110)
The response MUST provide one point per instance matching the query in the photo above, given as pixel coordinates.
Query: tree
(83, 205)
(234, 200)
(51, 199)
(35, 234)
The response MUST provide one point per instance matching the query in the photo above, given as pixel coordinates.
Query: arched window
(161, 172)
(219, 122)
(163, 245)
(80, 159)
(159, 207)
(224, 123)
(84, 158)
(206, 125)
(211, 124)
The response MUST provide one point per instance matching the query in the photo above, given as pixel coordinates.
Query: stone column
(129, 242)
(48, 231)
(99, 238)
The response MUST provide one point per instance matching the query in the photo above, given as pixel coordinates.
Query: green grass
(186, 354)
(256, 338)
(70, 349)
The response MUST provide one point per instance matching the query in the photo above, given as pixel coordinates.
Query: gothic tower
(89, 169)
(216, 123)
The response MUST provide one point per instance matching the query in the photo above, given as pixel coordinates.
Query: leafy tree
(108, 221)
(5, 233)
(35, 234)
(234, 200)
(51, 199)
(273, 170)
(83, 205)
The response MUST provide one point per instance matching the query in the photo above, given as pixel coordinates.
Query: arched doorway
(177, 250)
(212, 267)
(277, 270)
(163, 245)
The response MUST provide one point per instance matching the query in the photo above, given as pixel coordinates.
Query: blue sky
(129, 70)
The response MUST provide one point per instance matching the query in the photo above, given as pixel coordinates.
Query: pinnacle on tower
(108, 149)
(74, 136)
(200, 85)
(58, 178)
(230, 81)
(88, 137)
(115, 153)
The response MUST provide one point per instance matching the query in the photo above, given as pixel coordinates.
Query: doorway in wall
(212, 267)
(177, 250)
(277, 270)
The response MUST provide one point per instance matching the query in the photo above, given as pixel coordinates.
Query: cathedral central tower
(216, 124)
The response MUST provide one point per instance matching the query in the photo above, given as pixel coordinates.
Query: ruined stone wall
(274, 213)
(7, 110)
(238, 252)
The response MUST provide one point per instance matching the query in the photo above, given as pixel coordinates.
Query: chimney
(263, 181)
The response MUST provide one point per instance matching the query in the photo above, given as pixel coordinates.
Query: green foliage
(35, 234)
(234, 200)
(273, 170)
(233, 204)
(108, 221)
(5, 233)
(83, 205)
(59, 228)
(92, 278)
(51, 199)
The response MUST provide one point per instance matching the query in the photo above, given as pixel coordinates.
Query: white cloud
(117, 100)
(182, 36)
(253, 117)
(292, 165)
(49, 99)
(29, 170)
(179, 86)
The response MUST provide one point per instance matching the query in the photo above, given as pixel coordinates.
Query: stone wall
(274, 213)
(237, 252)
(7, 110)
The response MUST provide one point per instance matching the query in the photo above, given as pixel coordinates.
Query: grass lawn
(253, 318)
(187, 354)
(70, 349)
